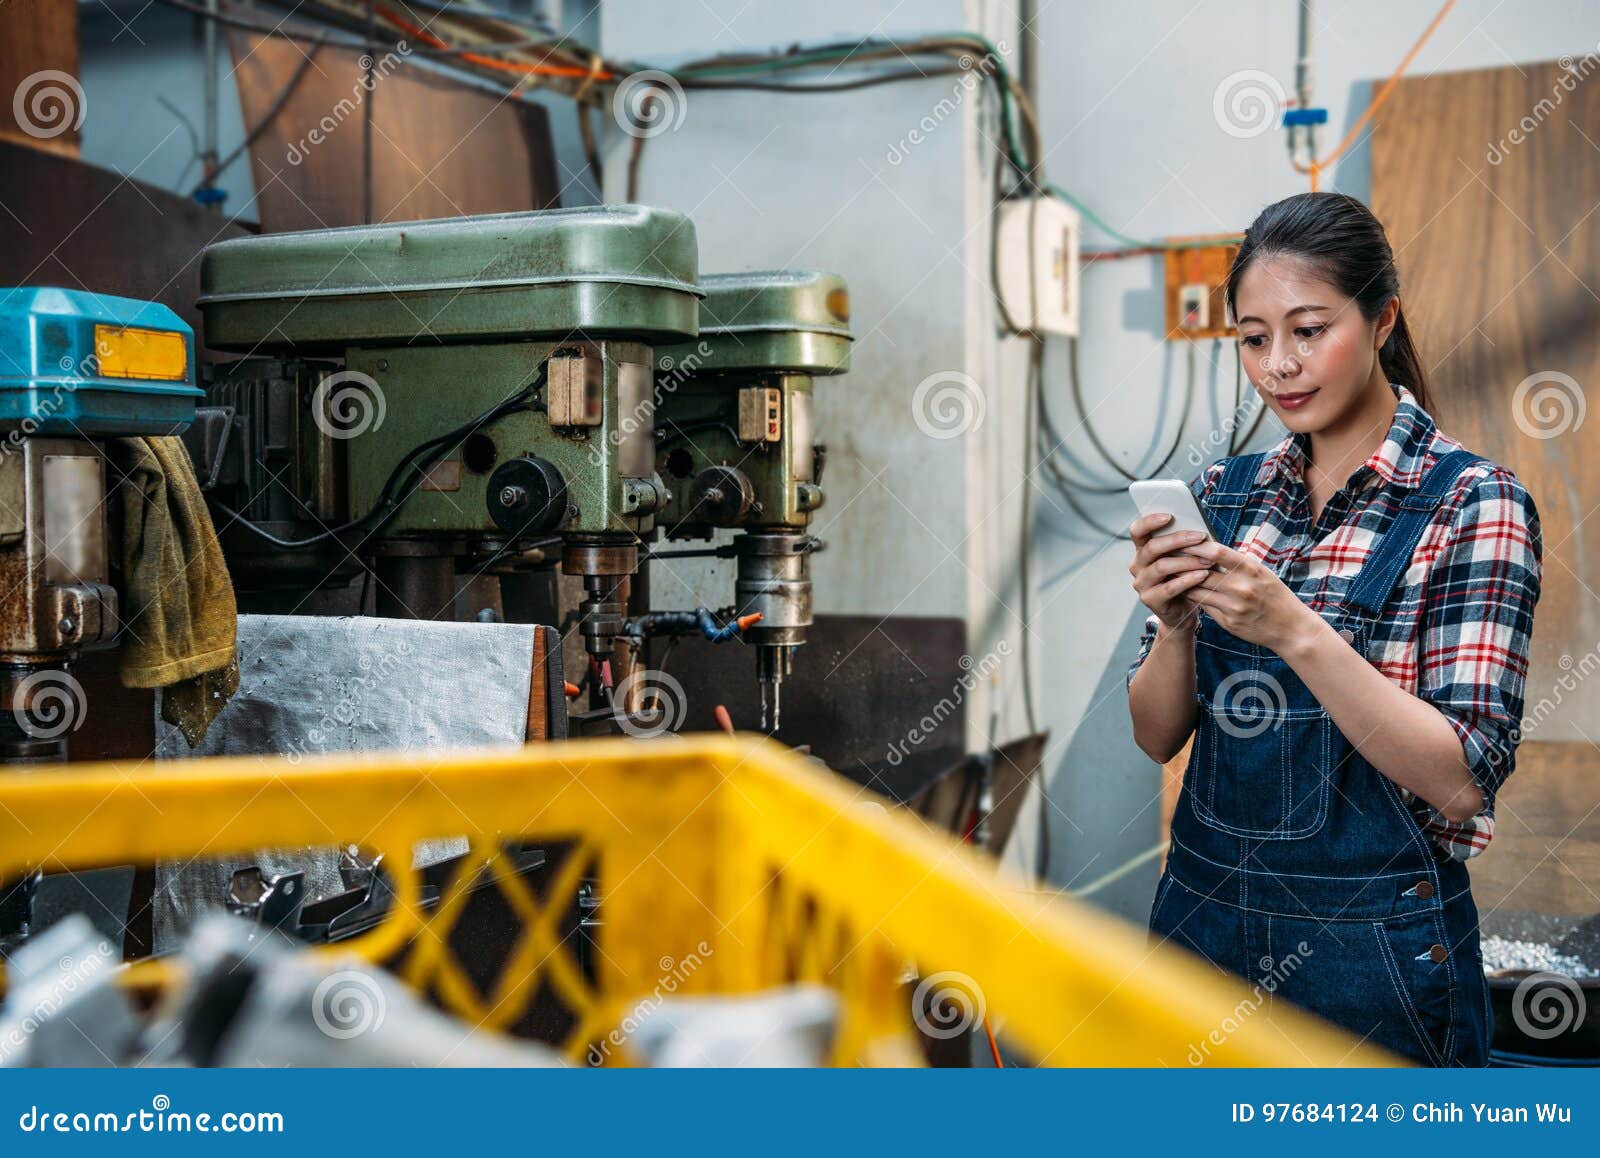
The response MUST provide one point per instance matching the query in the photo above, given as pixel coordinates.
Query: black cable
(416, 462)
(1025, 544)
(282, 32)
(904, 74)
(265, 123)
(1094, 437)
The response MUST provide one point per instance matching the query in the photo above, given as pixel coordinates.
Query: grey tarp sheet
(312, 684)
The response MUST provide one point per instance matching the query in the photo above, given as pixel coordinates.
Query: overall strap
(1226, 503)
(1390, 557)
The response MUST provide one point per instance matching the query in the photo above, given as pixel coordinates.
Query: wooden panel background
(439, 149)
(40, 36)
(1489, 184)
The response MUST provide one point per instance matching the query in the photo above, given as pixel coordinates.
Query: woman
(1349, 655)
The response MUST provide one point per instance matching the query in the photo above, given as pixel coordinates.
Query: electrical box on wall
(1036, 264)
(1197, 276)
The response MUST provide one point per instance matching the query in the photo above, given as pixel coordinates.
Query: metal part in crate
(723, 866)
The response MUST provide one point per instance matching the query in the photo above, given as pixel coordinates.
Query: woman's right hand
(1162, 572)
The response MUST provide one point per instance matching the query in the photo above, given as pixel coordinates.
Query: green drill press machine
(438, 396)
(734, 441)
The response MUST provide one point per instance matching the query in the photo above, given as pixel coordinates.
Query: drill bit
(770, 703)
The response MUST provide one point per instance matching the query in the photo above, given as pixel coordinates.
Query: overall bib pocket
(1261, 766)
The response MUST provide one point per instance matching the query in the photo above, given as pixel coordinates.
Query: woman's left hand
(1248, 600)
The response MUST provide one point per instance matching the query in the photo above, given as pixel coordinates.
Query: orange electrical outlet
(1195, 279)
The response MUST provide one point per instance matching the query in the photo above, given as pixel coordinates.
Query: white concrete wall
(1127, 109)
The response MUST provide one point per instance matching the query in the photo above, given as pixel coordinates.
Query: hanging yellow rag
(180, 619)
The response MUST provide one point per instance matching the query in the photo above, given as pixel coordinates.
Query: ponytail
(1401, 363)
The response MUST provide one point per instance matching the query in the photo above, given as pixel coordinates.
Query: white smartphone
(1170, 496)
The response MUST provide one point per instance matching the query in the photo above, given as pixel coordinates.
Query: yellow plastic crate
(723, 865)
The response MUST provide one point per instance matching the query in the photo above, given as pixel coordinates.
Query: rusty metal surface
(439, 149)
(67, 223)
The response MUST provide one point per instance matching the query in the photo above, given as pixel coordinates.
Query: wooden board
(439, 149)
(1545, 856)
(1500, 271)
(38, 37)
(67, 223)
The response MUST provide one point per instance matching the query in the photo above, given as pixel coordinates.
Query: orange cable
(1316, 166)
(994, 1047)
(489, 61)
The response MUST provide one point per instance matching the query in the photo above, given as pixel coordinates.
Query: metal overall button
(1359, 974)
(1423, 983)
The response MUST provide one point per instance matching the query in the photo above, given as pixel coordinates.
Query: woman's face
(1306, 347)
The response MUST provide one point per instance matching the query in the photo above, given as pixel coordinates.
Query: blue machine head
(79, 363)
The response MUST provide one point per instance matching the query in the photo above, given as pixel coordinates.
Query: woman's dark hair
(1345, 244)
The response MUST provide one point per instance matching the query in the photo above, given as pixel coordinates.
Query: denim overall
(1295, 863)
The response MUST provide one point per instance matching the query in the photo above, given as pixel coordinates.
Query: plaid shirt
(1457, 633)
